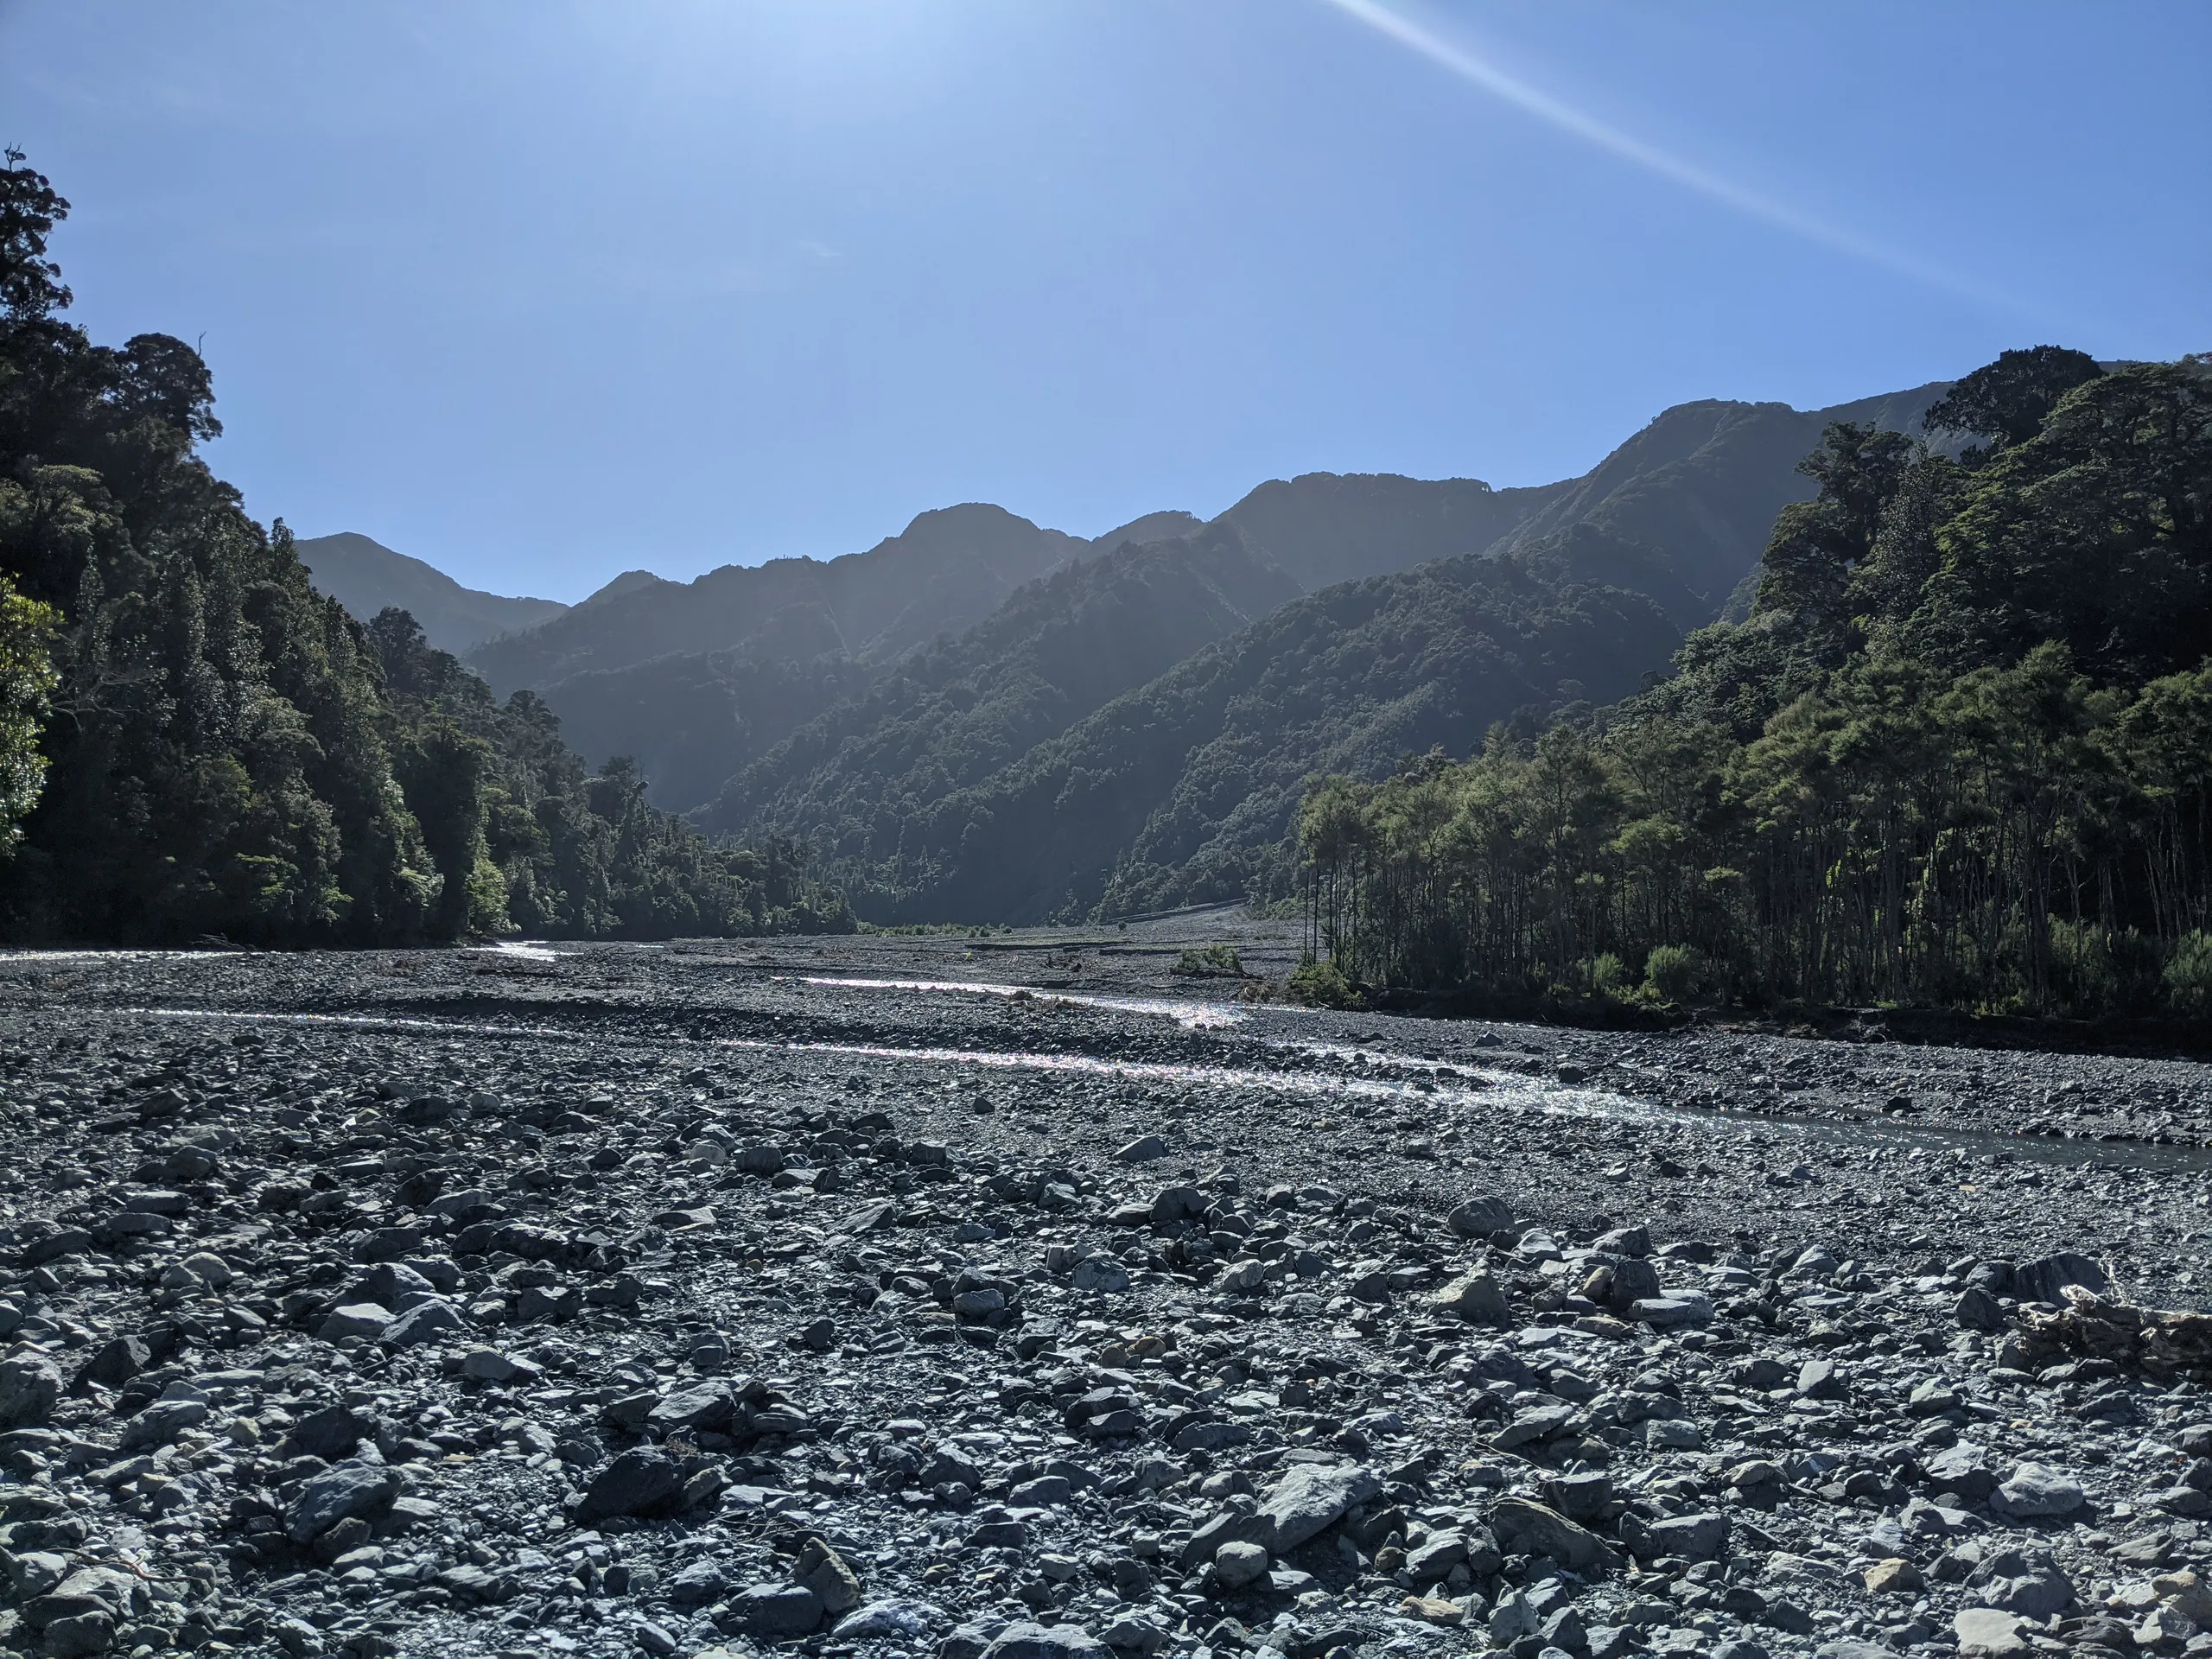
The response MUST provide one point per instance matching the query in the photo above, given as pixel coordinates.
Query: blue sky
(542, 292)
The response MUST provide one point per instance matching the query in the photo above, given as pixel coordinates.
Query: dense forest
(195, 742)
(1958, 755)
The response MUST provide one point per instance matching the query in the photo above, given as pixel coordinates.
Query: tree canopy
(1959, 754)
(224, 751)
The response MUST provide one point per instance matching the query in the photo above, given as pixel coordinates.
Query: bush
(2189, 977)
(1210, 961)
(2097, 972)
(1674, 972)
(1322, 985)
(1609, 975)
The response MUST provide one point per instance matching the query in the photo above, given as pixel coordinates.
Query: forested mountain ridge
(224, 751)
(368, 577)
(1416, 658)
(1183, 789)
(948, 717)
(1689, 499)
(1959, 754)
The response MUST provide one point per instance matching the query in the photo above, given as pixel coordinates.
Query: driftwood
(2160, 1342)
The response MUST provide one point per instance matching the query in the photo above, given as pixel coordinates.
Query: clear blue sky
(541, 291)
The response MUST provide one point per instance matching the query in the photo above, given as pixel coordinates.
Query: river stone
(367, 1319)
(642, 1481)
(891, 1617)
(2034, 1492)
(821, 1569)
(1693, 1537)
(1480, 1217)
(1238, 1564)
(776, 1612)
(28, 1387)
(708, 1405)
(1525, 1527)
(1475, 1296)
(1024, 1640)
(1309, 1498)
(1683, 1310)
(1988, 1633)
(2045, 1279)
(336, 1495)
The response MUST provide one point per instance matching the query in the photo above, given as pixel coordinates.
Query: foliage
(1210, 962)
(228, 752)
(1674, 972)
(26, 684)
(1322, 985)
(2189, 975)
(1959, 754)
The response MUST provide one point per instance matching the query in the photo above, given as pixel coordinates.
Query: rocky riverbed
(1016, 1298)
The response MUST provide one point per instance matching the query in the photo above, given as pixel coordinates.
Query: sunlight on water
(518, 949)
(1194, 1016)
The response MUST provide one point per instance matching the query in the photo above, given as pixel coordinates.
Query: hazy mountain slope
(673, 673)
(946, 570)
(366, 577)
(690, 718)
(1703, 483)
(950, 717)
(1177, 789)
(1324, 528)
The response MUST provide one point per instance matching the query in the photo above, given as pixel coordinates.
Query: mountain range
(981, 719)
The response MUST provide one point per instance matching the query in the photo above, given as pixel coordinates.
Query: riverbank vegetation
(1959, 754)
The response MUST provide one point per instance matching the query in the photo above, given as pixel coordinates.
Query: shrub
(2189, 977)
(1609, 975)
(1674, 972)
(1322, 985)
(1210, 961)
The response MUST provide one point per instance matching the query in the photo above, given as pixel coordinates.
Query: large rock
(708, 1405)
(366, 1319)
(643, 1481)
(1988, 1633)
(1475, 1296)
(1962, 1471)
(1683, 1310)
(29, 1385)
(428, 1321)
(2034, 1492)
(2026, 1582)
(2045, 1279)
(1309, 1497)
(336, 1495)
(776, 1612)
(1693, 1537)
(1239, 1565)
(821, 1569)
(1479, 1217)
(330, 1434)
(1525, 1527)
(1024, 1640)
(892, 1617)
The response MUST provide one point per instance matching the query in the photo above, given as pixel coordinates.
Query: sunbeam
(1472, 68)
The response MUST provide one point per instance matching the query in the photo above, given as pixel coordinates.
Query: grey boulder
(1309, 1499)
